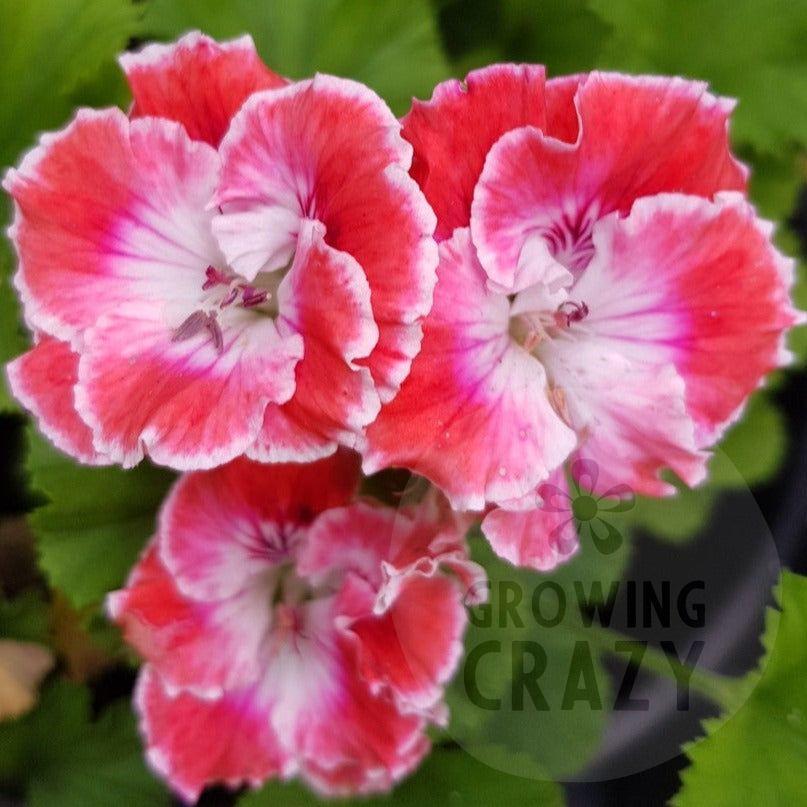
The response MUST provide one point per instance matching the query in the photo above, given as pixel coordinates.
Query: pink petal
(204, 647)
(474, 415)
(397, 563)
(325, 298)
(43, 380)
(397, 652)
(632, 415)
(562, 121)
(539, 538)
(197, 82)
(453, 132)
(395, 248)
(357, 538)
(193, 742)
(329, 149)
(187, 404)
(638, 136)
(223, 526)
(357, 742)
(108, 212)
(340, 736)
(699, 285)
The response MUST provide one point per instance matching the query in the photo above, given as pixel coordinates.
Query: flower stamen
(570, 312)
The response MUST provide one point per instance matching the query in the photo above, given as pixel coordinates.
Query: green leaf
(55, 53)
(96, 520)
(448, 776)
(25, 618)
(559, 738)
(392, 47)
(798, 337)
(12, 337)
(774, 186)
(745, 49)
(50, 47)
(753, 449)
(61, 758)
(676, 519)
(564, 35)
(758, 754)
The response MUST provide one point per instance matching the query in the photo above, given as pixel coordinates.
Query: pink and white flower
(292, 630)
(603, 287)
(240, 266)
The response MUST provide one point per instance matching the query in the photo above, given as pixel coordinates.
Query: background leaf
(67, 760)
(559, 740)
(449, 776)
(564, 35)
(95, 522)
(52, 52)
(25, 618)
(50, 47)
(393, 47)
(750, 50)
(758, 755)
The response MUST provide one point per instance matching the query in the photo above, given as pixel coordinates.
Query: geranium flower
(291, 630)
(239, 266)
(603, 285)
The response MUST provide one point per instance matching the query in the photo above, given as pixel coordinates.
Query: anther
(250, 296)
(213, 326)
(570, 312)
(190, 326)
(214, 278)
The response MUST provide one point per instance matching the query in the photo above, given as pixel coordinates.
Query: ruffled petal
(202, 647)
(631, 416)
(453, 132)
(397, 653)
(43, 380)
(108, 212)
(562, 121)
(330, 149)
(698, 285)
(537, 538)
(193, 742)
(224, 526)
(404, 569)
(197, 82)
(326, 299)
(355, 742)
(638, 136)
(356, 539)
(185, 403)
(474, 415)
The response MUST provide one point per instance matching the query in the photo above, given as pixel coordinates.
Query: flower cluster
(284, 627)
(266, 283)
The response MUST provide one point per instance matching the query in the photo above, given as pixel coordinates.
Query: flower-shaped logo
(588, 509)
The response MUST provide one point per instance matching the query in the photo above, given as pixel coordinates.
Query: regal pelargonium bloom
(290, 629)
(240, 266)
(603, 287)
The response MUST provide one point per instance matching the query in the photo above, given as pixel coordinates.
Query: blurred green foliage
(59, 757)
(93, 521)
(562, 740)
(449, 776)
(391, 46)
(756, 754)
